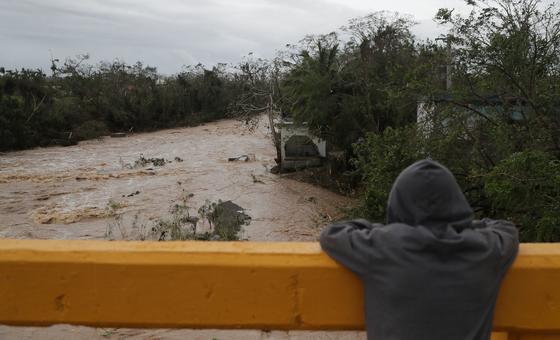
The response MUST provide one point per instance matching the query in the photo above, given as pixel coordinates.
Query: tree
(496, 128)
(311, 85)
(344, 90)
(383, 56)
(258, 83)
(510, 49)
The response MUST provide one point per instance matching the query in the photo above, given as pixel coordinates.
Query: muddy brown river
(68, 192)
(76, 192)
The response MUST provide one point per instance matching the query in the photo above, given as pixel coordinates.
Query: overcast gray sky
(171, 33)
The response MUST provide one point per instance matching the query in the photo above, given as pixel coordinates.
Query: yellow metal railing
(230, 285)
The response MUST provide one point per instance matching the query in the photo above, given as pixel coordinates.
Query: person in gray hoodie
(431, 272)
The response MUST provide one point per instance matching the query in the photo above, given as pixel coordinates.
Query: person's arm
(506, 240)
(348, 243)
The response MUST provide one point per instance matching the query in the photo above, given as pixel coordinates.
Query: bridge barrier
(291, 286)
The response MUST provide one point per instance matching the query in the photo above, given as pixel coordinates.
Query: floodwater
(74, 193)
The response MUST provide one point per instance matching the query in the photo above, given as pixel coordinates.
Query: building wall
(288, 130)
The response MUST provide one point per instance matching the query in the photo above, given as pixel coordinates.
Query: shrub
(380, 158)
(91, 129)
(525, 188)
(225, 219)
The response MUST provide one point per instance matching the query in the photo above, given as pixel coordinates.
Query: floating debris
(243, 158)
(143, 161)
(256, 180)
(137, 192)
(311, 199)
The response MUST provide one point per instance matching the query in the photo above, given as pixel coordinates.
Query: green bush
(380, 158)
(91, 129)
(525, 188)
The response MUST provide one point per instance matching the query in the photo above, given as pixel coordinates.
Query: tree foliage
(525, 187)
(510, 49)
(344, 89)
(82, 101)
(496, 128)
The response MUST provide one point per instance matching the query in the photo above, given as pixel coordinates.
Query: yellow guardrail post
(229, 285)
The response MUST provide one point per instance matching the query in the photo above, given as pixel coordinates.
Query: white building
(300, 148)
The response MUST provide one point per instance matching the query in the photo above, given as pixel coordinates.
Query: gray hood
(427, 194)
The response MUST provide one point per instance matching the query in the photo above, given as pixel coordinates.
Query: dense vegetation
(489, 91)
(82, 101)
(497, 127)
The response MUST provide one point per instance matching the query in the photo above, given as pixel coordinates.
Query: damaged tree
(260, 94)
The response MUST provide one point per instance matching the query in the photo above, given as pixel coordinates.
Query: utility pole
(448, 64)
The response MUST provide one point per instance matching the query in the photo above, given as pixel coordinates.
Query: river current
(74, 192)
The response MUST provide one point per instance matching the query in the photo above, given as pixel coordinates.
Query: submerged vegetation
(225, 221)
(481, 99)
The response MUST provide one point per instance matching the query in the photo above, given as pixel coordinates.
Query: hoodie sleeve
(348, 243)
(506, 239)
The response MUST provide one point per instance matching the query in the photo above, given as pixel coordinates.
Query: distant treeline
(82, 101)
(488, 94)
